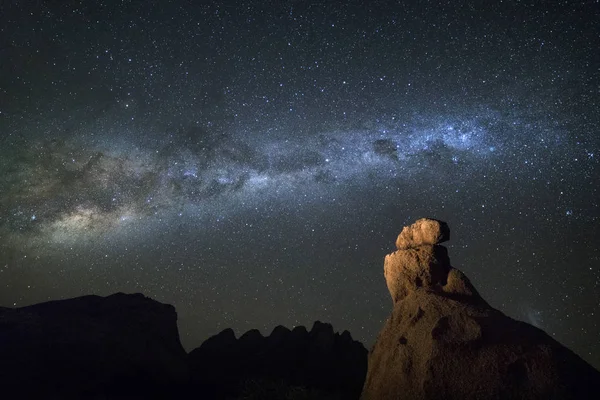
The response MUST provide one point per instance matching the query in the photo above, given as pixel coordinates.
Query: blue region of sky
(252, 163)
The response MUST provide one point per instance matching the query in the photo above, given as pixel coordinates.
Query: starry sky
(252, 162)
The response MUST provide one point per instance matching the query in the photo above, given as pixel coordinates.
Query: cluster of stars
(233, 158)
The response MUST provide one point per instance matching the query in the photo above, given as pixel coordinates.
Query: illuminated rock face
(407, 270)
(443, 341)
(423, 232)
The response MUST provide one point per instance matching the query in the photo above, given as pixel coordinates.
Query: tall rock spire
(443, 341)
(421, 262)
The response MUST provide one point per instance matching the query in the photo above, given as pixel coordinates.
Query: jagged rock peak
(322, 327)
(319, 358)
(424, 231)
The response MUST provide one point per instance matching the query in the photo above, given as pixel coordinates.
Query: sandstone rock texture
(424, 231)
(443, 341)
(123, 345)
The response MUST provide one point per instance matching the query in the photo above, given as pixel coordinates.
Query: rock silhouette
(443, 341)
(321, 359)
(122, 345)
(127, 346)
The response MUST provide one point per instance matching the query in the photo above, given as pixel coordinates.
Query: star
(277, 155)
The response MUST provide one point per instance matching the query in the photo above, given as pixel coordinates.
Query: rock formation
(424, 231)
(124, 346)
(443, 341)
(127, 347)
(321, 359)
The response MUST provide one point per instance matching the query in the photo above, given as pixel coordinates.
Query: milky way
(252, 165)
(61, 187)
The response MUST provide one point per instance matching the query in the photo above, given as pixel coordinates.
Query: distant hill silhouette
(127, 346)
(124, 344)
(319, 359)
(442, 341)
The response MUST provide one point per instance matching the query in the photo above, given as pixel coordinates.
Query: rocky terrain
(127, 346)
(121, 345)
(443, 341)
(318, 359)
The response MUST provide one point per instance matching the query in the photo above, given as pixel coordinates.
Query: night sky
(252, 163)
